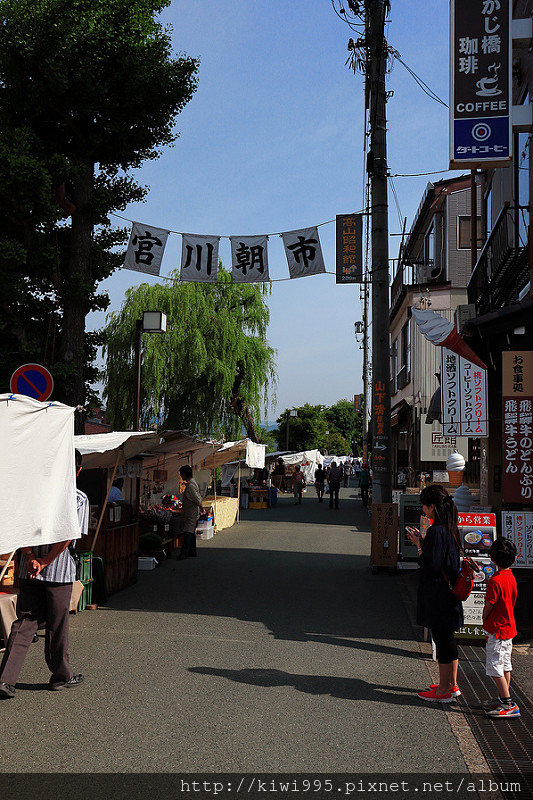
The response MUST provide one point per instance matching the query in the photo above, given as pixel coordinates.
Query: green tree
(306, 430)
(212, 369)
(341, 417)
(88, 90)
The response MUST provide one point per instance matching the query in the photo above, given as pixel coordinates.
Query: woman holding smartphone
(438, 608)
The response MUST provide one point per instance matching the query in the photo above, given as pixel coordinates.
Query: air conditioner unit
(463, 314)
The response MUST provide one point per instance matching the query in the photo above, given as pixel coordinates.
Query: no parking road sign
(33, 380)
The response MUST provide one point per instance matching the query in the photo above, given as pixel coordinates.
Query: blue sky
(273, 141)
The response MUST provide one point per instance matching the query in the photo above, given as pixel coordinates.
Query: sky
(272, 141)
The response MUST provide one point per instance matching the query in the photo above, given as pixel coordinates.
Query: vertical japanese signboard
(518, 526)
(380, 442)
(349, 248)
(517, 418)
(480, 83)
(464, 397)
(384, 542)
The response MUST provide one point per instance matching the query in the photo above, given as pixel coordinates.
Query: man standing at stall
(191, 508)
(47, 573)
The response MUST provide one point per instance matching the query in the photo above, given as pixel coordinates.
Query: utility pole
(375, 12)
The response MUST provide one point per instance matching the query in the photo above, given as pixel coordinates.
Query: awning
(254, 455)
(101, 450)
(176, 449)
(397, 412)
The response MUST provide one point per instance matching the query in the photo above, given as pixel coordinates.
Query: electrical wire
(396, 200)
(422, 84)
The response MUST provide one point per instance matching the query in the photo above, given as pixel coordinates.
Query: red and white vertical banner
(464, 397)
(517, 421)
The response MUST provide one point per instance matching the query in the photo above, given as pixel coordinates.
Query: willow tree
(212, 370)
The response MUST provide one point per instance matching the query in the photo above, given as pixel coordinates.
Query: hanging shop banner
(517, 420)
(518, 526)
(435, 446)
(480, 83)
(303, 251)
(145, 249)
(349, 248)
(199, 258)
(464, 397)
(249, 259)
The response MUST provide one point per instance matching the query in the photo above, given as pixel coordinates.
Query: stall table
(224, 510)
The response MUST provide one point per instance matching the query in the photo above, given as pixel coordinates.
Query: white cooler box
(205, 529)
(147, 562)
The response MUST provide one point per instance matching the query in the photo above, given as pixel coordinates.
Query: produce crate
(86, 595)
(86, 564)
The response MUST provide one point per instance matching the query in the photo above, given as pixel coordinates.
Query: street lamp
(292, 413)
(151, 322)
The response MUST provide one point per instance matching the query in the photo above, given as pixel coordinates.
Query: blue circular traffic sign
(33, 380)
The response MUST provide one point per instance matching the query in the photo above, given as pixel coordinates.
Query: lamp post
(292, 413)
(151, 322)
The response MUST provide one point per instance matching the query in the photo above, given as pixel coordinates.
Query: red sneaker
(430, 695)
(456, 692)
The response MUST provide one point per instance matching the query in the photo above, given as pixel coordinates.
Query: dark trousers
(364, 495)
(188, 548)
(334, 494)
(40, 603)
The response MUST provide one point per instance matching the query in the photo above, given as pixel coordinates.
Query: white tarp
(38, 474)
(253, 454)
(100, 450)
(309, 461)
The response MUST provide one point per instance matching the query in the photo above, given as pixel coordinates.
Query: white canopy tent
(309, 461)
(252, 453)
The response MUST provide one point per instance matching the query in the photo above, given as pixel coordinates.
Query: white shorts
(498, 656)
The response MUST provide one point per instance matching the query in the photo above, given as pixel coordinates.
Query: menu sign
(349, 248)
(517, 420)
(518, 526)
(384, 543)
(480, 90)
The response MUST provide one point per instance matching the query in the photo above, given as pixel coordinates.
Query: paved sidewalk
(275, 650)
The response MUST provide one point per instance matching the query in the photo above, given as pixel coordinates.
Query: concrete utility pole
(375, 12)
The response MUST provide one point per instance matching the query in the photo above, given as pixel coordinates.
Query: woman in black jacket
(438, 608)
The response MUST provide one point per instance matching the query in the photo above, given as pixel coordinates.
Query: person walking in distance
(298, 483)
(364, 483)
(499, 624)
(191, 508)
(334, 479)
(46, 574)
(320, 478)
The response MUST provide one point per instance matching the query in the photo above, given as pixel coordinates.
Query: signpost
(349, 248)
(480, 88)
(32, 380)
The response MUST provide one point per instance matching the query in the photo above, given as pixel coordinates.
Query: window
(429, 246)
(394, 367)
(406, 354)
(464, 240)
(488, 211)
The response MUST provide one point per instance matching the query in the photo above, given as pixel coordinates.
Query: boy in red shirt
(499, 624)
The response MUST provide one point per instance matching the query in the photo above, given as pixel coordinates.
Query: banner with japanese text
(249, 259)
(517, 421)
(480, 87)
(199, 258)
(464, 397)
(518, 526)
(145, 249)
(349, 248)
(303, 252)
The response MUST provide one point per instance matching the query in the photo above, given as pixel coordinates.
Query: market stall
(308, 460)
(244, 450)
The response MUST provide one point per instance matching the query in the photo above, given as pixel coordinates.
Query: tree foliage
(335, 429)
(214, 333)
(89, 89)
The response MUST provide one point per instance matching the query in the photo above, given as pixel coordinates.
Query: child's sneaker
(456, 692)
(504, 710)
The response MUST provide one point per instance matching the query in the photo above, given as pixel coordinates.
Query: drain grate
(507, 745)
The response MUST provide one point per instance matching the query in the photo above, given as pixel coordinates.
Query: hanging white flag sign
(303, 251)
(199, 258)
(145, 249)
(249, 259)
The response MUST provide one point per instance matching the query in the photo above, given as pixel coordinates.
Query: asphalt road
(275, 650)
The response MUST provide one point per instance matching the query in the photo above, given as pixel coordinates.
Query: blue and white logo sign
(481, 139)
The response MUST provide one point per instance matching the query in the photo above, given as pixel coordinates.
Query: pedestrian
(334, 479)
(298, 483)
(364, 483)
(115, 493)
(46, 575)
(347, 471)
(320, 477)
(438, 608)
(191, 507)
(499, 624)
(279, 475)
